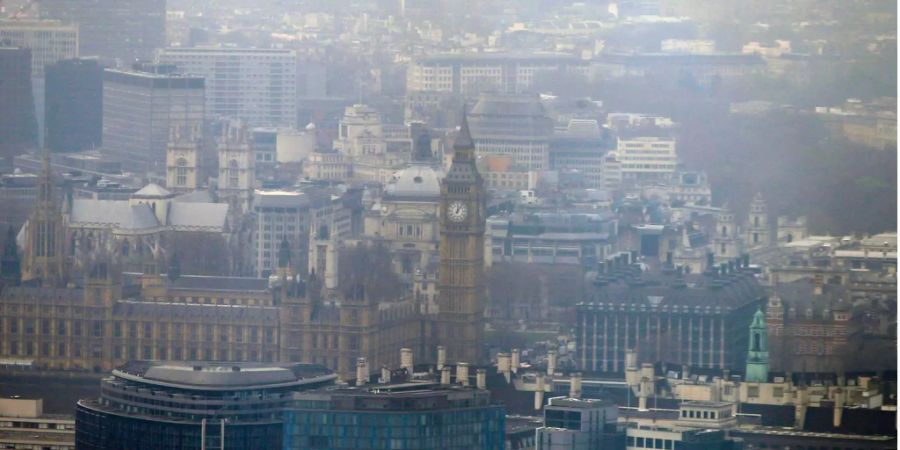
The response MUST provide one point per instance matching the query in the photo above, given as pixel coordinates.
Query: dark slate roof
(19, 292)
(771, 415)
(207, 313)
(853, 421)
(210, 283)
(630, 286)
(800, 294)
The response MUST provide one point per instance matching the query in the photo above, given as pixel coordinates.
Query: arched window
(181, 172)
(755, 221)
(724, 231)
(233, 173)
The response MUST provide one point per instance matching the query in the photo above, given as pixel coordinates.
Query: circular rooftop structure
(213, 376)
(176, 401)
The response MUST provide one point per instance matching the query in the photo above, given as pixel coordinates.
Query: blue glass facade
(474, 428)
(437, 418)
(156, 405)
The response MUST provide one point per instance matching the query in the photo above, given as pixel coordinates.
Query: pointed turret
(758, 353)
(464, 146)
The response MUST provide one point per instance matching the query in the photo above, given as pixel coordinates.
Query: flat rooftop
(222, 375)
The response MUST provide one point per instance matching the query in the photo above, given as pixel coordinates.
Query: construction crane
(18, 14)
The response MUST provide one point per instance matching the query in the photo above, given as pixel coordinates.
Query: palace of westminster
(93, 287)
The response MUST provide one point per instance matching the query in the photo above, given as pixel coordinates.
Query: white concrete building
(360, 132)
(473, 73)
(690, 46)
(647, 158)
(575, 424)
(255, 85)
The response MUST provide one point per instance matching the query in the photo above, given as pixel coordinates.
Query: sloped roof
(141, 217)
(114, 213)
(198, 215)
(196, 197)
(152, 190)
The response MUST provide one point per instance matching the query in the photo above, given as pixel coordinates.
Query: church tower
(461, 291)
(323, 255)
(758, 354)
(237, 167)
(757, 223)
(726, 240)
(44, 250)
(183, 159)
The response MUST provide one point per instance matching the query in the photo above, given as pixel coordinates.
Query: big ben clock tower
(461, 295)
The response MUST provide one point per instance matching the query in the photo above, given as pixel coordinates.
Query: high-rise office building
(73, 105)
(258, 86)
(122, 29)
(50, 41)
(138, 110)
(18, 125)
(193, 405)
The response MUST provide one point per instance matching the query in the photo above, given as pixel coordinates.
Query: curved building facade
(171, 405)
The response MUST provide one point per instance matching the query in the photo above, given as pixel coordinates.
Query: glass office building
(415, 415)
(178, 405)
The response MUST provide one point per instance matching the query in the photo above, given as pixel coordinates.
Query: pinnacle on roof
(464, 138)
(759, 319)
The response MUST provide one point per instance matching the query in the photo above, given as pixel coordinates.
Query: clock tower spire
(461, 296)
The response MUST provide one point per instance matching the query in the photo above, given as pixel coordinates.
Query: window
(181, 172)
(752, 391)
(233, 173)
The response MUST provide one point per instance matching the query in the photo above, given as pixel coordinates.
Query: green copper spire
(758, 353)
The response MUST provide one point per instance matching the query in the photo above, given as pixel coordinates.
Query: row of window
(640, 442)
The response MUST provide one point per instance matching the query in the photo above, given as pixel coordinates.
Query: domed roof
(416, 182)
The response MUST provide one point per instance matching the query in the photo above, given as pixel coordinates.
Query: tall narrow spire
(464, 138)
(44, 245)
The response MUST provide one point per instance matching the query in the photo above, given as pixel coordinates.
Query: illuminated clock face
(457, 211)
